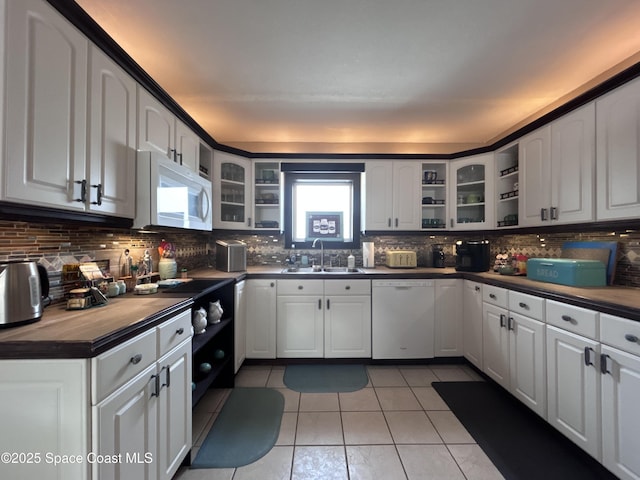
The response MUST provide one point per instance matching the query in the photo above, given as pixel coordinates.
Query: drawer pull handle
(631, 338)
(492, 296)
(524, 305)
(180, 331)
(300, 287)
(567, 318)
(136, 359)
(477, 287)
(272, 284)
(348, 287)
(587, 356)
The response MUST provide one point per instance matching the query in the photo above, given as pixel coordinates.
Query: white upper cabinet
(535, 178)
(618, 153)
(472, 205)
(112, 137)
(160, 131)
(557, 165)
(156, 125)
(56, 160)
(393, 195)
(573, 155)
(232, 181)
(46, 100)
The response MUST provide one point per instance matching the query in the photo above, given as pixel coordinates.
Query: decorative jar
(167, 268)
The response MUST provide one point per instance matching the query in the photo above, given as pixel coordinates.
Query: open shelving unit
(507, 187)
(434, 195)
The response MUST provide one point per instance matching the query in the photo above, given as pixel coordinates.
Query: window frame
(292, 175)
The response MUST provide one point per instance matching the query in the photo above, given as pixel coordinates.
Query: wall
(57, 244)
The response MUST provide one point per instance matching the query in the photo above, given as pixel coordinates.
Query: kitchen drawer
(120, 364)
(347, 287)
(528, 305)
(495, 295)
(620, 332)
(300, 287)
(174, 331)
(575, 319)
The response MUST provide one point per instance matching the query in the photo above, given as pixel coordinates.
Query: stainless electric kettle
(23, 288)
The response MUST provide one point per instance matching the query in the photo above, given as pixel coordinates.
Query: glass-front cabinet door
(232, 191)
(472, 193)
(266, 195)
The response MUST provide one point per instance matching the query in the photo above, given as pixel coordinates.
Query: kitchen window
(322, 201)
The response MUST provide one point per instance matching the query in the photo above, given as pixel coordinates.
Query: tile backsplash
(57, 244)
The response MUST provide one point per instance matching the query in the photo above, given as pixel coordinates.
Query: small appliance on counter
(401, 259)
(231, 255)
(473, 256)
(437, 255)
(24, 288)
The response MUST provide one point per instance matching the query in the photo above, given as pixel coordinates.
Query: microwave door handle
(204, 204)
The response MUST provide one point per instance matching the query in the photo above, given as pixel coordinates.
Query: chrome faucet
(313, 245)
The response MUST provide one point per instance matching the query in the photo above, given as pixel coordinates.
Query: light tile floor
(396, 428)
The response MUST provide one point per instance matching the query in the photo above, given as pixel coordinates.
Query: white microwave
(170, 195)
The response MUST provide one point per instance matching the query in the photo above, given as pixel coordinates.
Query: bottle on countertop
(351, 261)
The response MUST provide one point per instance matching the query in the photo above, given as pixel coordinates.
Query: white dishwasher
(403, 316)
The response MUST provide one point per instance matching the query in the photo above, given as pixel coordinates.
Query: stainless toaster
(231, 255)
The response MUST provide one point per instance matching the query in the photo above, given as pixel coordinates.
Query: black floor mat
(520, 443)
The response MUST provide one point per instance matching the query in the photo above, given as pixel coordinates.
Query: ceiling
(371, 76)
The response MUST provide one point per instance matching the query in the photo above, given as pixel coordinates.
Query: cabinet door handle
(328, 304)
(168, 376)
(172, 152)
(179, 155)
(396, 222)
(524, 305)
(180, 331)
(319, 304)
(388, 222)
(451, 222)
(492, 296)
(477, 288)
(136, 359)
(272, 284)
(603, 364)
(567, 318)
(98, 188)
(502, 320)
(83, 191)
(631, 338)
(544, 216)
(156, 386)
(511, 323)
(587, 356)
(554, 213)
(248, 221)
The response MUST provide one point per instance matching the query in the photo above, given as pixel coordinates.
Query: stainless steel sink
(301, 270)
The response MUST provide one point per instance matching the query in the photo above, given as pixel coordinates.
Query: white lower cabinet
(447, 338)
(573, 388)
(472, 322)
(239, 324)
(260, 312)
(620, 368)
(514, 346)
(347, 319)
(323, 318)
(145, 424)
(44, 408)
